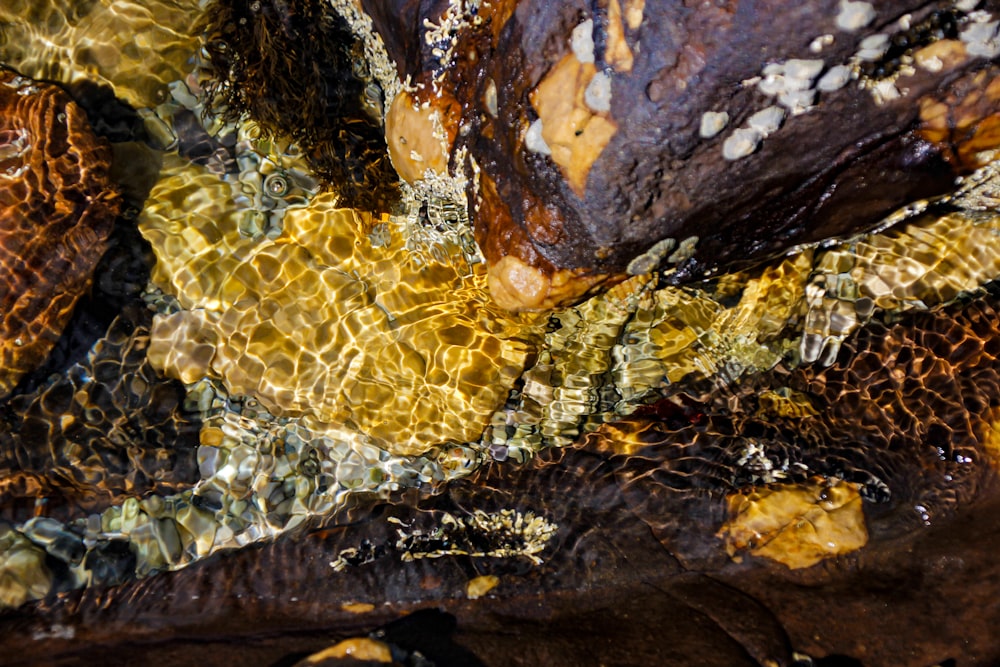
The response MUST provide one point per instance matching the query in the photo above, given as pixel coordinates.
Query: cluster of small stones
(796, 86)
(260, 477)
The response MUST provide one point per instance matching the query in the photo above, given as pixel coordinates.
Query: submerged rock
(333, 319)
(57, 209)
(614, 140)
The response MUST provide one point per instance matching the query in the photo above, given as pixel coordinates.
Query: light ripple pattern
(334, 321)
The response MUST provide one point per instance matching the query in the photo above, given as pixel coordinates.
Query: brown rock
(57, 208)
(600, 131)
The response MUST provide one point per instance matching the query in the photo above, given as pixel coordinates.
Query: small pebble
(597, 96)
(480, 586)
(767, 120)
(740, 143)
(712, 122)
(582, 41)
(797, 101)
(854, 15)
(797, 68)
(533, 140)
(834, 79)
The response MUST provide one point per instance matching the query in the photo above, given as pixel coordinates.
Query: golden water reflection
(334, 320)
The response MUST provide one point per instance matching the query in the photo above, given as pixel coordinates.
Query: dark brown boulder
(57, 209)
(623, 136)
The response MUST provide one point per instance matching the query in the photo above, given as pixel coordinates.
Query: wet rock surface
(796, 460)
(608, 588)
(57, 209)
(621, 138)
(108, 429)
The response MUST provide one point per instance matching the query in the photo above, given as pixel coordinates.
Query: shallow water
(290, 362)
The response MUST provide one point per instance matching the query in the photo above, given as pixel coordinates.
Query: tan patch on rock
(943, 54)
(518, 287)
(575, 134)
(356, 648)
(633, 13)
(545, 224)
(964, 123)
(797, 525)
(617, 53)
(358, 607)
(480, 586)
(419, 136)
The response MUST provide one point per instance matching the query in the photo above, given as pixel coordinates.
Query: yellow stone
(480, 586)
(797, 525)
(575, 134)
(320, 322)
(416, 140)
(357, 648)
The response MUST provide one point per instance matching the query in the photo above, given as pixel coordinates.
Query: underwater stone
(322, 324)
(797, 525)
(556, 228)
(110, 428)
(57, 209)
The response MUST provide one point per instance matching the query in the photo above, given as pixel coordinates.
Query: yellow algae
(479, 586)
(356, 648)
(322, 323)
(797, 525)
(137, 48)
(358, 607)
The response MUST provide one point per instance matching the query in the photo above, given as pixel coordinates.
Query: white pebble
(597, 96)
(885, 91)
(834, 79)
(533, 140)
(966, 5)
(803, 69)
(797, 101)
(820, 43)
(582, 41)
(772, 85)
(981, 39)
(740, 143)
(712, 122)
(873, 47)
(491, 97)
(877, 41)
(767, 121)
(854, 15)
